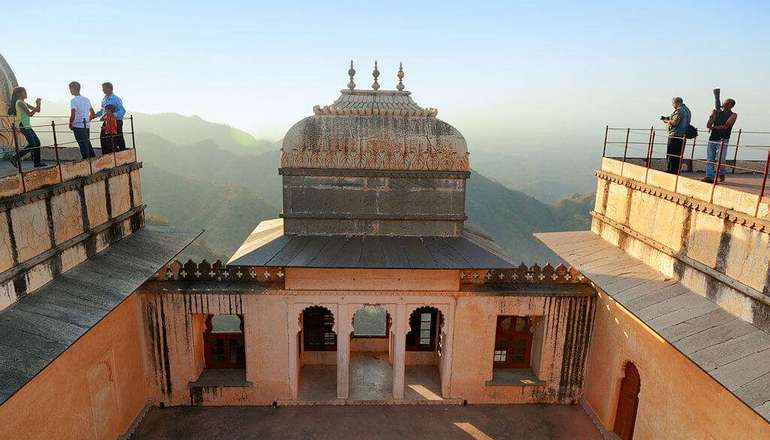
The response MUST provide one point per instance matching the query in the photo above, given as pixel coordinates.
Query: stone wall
(677, 399)
(47, 231)
(371, 202)
(271, 305)
(94, 390)
(714, 249)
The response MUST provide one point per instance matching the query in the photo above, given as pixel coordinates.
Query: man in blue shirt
(119, 142)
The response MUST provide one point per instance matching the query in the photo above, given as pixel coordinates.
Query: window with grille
(423, 332)
(223, 342)
(513, 342)
(318, 329)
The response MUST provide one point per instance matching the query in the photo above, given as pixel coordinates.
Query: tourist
(109, 130)
(721, 125)
(677, 125)
(81, 113)
(112, 99)
(23, 111)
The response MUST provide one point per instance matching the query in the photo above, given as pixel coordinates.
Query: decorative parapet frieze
(386, 156)
(759, 224)
(524, 274)
(205, 271)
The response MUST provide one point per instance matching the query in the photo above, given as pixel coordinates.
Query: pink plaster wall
(677, 399)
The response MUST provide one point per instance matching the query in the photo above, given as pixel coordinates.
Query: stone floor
(369, 422)
(371, 378)
(749, 183)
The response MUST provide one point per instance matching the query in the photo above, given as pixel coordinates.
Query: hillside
(511, 217)
(228, 212)
(173, 126)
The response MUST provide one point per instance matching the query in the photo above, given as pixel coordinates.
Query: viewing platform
(59, 153)
(640, 155)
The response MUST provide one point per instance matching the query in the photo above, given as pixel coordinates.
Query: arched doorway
(628, 402)
(424, 347)
(317, 354)
(371, 369)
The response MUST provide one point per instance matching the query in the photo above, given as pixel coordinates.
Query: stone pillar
(399, 352)
(448, 343)
(343, 324)
(293, 330)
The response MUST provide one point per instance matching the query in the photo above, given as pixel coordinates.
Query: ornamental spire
(375, 74)
(400, 75)
(351, 74)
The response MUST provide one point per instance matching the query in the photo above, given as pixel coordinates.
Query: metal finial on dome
(400, 76)
(351, 74)
(375, 74)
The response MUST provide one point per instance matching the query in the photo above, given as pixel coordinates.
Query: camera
(664, 118)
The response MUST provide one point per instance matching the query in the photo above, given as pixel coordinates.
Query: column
(344, 327)
(446, 373)
(399, 355)
(292, 329)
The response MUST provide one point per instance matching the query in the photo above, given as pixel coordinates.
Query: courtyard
(446, 422)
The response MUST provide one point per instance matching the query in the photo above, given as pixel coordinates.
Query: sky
(509, 75)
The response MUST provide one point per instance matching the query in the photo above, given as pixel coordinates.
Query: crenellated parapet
(534, 274)
(204, 271)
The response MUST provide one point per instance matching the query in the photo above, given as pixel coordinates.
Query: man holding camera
(721, 125)
(677, 125)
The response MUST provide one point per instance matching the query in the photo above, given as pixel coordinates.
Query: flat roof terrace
(641, 155)
(59, 154)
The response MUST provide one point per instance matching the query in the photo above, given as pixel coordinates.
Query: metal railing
(648, 147)
(57, 131)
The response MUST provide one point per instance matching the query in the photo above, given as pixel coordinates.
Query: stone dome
(7, 84)
(374, 129)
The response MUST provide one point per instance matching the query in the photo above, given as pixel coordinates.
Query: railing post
(133, 138)
(764, 184)
(88, 153)
(716, 172)
(18, 157)
(737, 144)
(692, 154)
(649, 146)
(56, 150)
(625, 152)
(604, 150)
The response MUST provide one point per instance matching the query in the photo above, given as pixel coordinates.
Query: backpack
(691, 132)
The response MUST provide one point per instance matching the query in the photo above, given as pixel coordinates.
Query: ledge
(519, 377)
(222, 377)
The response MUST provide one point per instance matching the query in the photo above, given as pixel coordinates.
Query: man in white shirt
(81, 113)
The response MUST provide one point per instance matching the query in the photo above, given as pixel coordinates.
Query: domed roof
(7, 84)
(374, 129)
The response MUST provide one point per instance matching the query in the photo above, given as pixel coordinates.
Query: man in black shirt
(721, 124)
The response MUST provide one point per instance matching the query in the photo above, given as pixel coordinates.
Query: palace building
(371, 288)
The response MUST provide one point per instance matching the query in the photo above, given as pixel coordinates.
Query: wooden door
(513, 342)
(628, 402)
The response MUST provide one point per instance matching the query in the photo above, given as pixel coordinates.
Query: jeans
(33, 145)
(674, 153)
(119, 141)
(82, 135)
(712, 150)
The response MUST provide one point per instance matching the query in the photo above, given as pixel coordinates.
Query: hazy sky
(507, 74)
